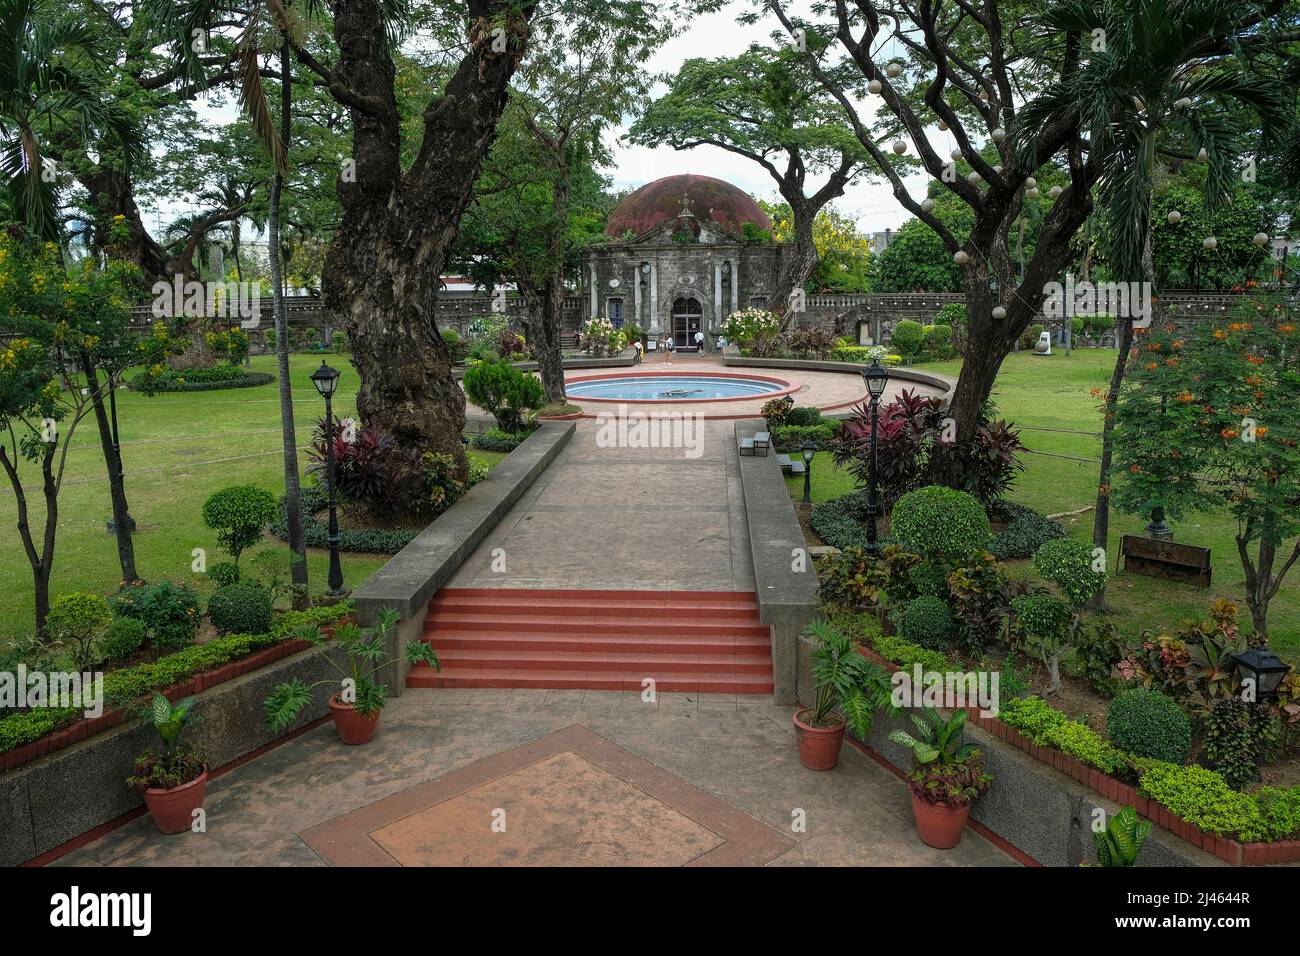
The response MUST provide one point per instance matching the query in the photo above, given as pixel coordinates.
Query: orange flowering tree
(1210, 417)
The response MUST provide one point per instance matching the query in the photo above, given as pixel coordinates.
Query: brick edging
(1232, 852)
(90, 726)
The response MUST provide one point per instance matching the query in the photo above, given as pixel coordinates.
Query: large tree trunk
(116, 480)
(550, 358)
(798, 263)
(288, 435)
(382, 270)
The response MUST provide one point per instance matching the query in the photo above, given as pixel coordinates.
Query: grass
(1036, 393)
(177, 449)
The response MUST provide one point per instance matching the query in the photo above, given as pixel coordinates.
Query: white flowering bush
(755, 330)
(601, 339)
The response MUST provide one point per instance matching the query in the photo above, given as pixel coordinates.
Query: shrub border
(1232, 852)
(279, 646)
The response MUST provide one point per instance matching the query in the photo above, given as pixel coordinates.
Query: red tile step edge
(700, 641)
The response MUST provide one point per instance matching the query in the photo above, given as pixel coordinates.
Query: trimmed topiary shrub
(125, 636)
(1146, 723)
(240, 608)
(939, 521)
(907, 338)
(931, 578)
(238, 514)
(1026, 531)
(803, 415)
(503, 391)
(927, 622)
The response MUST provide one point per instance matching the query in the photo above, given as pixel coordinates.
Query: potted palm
(947, 777)
(360, 699)
(175, 778)
(843, 679)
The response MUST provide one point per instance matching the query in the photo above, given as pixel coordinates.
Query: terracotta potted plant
(844, 679)
(175, 778)
(947, 777)
(360, 700)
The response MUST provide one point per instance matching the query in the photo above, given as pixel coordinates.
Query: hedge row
(249, 380)
(316, 532)
(127, 684)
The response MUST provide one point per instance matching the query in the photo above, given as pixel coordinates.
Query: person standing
(668, 350)
(699, 341)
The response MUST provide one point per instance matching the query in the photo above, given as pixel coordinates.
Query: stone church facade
(678, 262)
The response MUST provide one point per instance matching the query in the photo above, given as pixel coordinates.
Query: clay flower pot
(353, 728)
(938, 824)
(819, 747)
(173, 809)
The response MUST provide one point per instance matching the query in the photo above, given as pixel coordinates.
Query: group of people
(670, 346)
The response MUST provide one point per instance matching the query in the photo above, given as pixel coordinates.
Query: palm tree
(48, 82)
(1156, 74)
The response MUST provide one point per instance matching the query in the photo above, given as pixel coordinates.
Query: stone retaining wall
(67, 793)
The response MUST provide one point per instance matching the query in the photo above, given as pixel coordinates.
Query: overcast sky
(871, 204)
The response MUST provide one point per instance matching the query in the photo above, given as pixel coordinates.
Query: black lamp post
(326, 380)
(1263, 669)
(809, 450)
(876, 378)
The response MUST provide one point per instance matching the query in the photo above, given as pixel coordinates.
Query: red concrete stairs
(692, 641)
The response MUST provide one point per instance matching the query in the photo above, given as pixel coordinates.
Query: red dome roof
(661, 201)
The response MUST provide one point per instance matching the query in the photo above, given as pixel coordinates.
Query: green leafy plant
(852, 580)
(238, 515)
(1025, 530)
(1149, 724)
(504, 392)
(77, 621)
(223, 573)
(1042, 624)
(365, 652)
(946, 771)
(1121, 841)
(240, 608)
(845, 679)
(907, 655)
(178, 762)
(170, 612)
(978, 592)
(1098, 649)
(1236, 740)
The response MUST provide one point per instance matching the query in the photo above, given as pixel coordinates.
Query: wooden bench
(1165, 559)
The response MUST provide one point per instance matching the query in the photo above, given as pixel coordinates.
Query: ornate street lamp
(1263, 669)
(809, 450)
(876, 377)
(326, 380)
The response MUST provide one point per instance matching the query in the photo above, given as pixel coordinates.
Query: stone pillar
(654, 300)
(595, 293)
(735, 285)
(717, 292)
(636, 298)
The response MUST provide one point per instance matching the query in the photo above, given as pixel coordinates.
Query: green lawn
(177, 449)
(1038, 392)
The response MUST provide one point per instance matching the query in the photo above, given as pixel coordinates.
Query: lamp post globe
(876, 378)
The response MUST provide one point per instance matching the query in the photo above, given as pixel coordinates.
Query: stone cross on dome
(686, 204)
